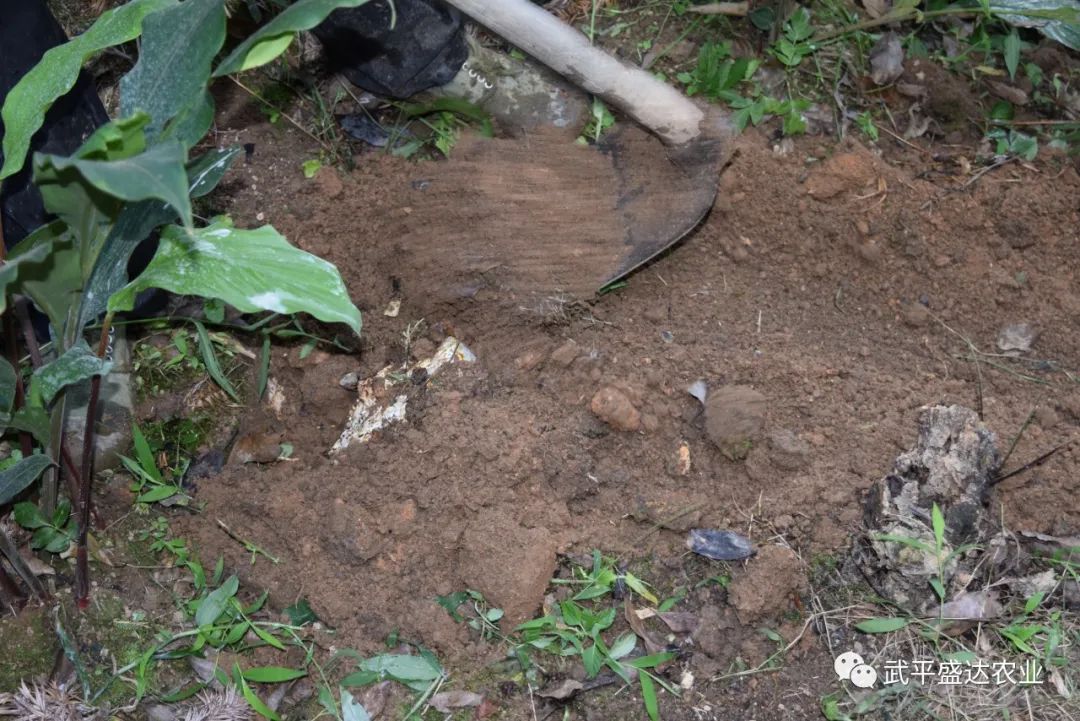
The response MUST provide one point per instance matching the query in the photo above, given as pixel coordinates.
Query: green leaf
(28, 515)
(640, 588)
(144, 454)
(361, 678)
(178, 47)
(904, 541)
(300, 613)
(1032, 603)
(15, 479)
(35, 421)
(158, 493)
(273, 674)
(937, 519)
(50, 275)
(267, 637)
(251, 270)
(1056, 19)
(74, 366)
(402, 667)
(651, 661)
(210, 360)
(155, 173)
(623, 646)
(351, 709)
(648, 695)
(1011, 51)
(882, 625)
(25, 107)
(9, 271)
(274, 38)
(592, 660)
(311, 167)
(254, 701)
(215, 603)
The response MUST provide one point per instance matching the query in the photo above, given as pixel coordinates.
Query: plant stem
(905, 14)
(86, 477)
(11, 551)
(50, 482)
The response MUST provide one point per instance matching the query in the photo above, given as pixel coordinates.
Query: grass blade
(206, 346)
(648, 694)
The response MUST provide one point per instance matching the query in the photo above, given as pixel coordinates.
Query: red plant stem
(86, 478)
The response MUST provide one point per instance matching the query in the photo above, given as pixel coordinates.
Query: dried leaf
(887, 59)
(973, 606)
(680, 621)
(638, 627)
(562, 690)
(447, 701)
(1016, 96)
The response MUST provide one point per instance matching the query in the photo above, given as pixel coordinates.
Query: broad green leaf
(402, 667)
(54, 281)
(157, 173)
(136, 222)
(35, 421)
(251, 270)
(592, 660)
(192, 122)
(1056, 19)
(215, 603)
(360, 678)
(273, 674)
(76, 365)
(351, 709)
(206, 171)
(648, 695)
(17, 478)
(882, 625)
(267, 637)
(273, 38)
(25, 107)
(1012, 52)
(177, 49)
(9, 271)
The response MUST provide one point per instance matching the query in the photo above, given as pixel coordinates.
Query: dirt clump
(734, 417)
(773, 578)
(613, 407)
(510, 565)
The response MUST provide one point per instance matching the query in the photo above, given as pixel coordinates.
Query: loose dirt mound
(819, 281)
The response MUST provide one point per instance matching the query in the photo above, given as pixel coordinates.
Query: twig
(905, 141)
(1019, 435)
(1031, 464)
(9, 550)
(323, 144)
(248, 545)
(665, 522)
(734, 9)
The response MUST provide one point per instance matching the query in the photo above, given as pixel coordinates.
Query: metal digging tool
(542, 216)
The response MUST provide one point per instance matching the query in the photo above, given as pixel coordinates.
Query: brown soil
(837, 283)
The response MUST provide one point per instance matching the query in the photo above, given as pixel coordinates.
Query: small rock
(613, 407)
(682, 464)
(734, 417)
(787, 450)
(565, 354)
(1046, 417)
(1017, 338)
(916, 315)
(349, 381)
(530, 359)
(329, 182)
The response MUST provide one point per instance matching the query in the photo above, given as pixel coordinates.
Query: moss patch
(29, 647)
